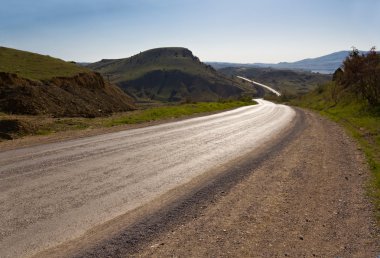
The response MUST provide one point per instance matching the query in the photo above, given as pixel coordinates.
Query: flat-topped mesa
(169, 74)
(167, 51)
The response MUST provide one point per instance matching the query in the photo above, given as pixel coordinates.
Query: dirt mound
(10, 127)
(85, 94)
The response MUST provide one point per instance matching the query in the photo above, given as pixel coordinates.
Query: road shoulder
(308, 200)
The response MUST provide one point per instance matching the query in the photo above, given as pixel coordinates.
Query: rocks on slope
(85, 94)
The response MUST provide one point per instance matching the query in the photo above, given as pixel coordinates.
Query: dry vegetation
(353, 100)
(16, 126)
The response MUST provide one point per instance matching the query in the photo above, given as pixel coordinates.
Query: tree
(361, 75)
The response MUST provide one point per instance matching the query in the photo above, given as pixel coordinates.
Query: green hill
(169, 74)
(36, 84)
(286, 81)
(34, 66)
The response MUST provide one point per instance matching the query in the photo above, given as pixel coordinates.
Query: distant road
(262, 85)
(53, 193)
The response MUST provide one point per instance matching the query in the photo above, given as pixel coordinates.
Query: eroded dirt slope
(85, 94)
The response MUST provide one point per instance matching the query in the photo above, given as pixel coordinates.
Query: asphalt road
(53, 193)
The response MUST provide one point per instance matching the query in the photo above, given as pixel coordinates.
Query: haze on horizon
(244, 31)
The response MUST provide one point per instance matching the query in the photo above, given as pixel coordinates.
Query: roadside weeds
(22, 130)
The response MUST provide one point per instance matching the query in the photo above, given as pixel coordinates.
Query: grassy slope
(44, 125)
(76, 91)
(360, 121)
(166, 112)
(34, 66)
(169, 74)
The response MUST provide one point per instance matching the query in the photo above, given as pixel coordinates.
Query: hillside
(169, 74)
(36, 84)
(286, 81)
(326, 64)
(34, 66)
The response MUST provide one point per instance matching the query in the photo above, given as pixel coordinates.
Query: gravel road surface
(302, 197)
(306, 199)
(53, 193)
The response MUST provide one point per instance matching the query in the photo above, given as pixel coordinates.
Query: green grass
(153, 114)
(34, 66)
(44, 132)
(362, 123)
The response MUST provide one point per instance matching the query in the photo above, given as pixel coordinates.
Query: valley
(288, 82)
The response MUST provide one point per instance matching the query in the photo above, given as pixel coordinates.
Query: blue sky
(215, 30)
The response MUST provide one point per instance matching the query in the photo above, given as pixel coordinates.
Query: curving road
(262, 85)
(53, 193)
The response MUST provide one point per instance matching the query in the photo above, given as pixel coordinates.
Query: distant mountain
(325, 64)
(37, 84)
(220, 65)
(284, 80)
(169, 74)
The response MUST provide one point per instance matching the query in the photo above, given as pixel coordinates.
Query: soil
(304, 196)
(83, 95)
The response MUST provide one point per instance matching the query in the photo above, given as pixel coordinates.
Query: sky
(243, 31)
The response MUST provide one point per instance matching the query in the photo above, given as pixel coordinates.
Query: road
(261, 85)
(53, 193)
(307, 198)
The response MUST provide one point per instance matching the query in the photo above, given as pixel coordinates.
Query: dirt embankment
(85, 94)
(304, 197)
